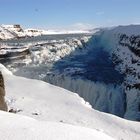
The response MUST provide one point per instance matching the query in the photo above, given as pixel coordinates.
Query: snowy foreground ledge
(15, 127)
(58, 113)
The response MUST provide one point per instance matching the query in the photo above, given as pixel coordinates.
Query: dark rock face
(3, 105)
(131, 59)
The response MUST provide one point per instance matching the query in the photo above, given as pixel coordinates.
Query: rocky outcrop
(3, 105)
(13, 53)
(11, 32)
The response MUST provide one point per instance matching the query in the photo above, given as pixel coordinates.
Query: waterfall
(106, 98)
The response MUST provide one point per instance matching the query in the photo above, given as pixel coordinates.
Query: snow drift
(18, 127)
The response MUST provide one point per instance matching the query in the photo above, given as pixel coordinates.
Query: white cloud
(99, 13)
(110, 21)
(81, 26)
(75, 26)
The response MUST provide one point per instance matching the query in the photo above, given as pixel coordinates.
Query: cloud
(99, 13)
(75, 26)
(110, 20)
(82, 26)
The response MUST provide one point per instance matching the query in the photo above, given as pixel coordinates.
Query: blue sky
(69, 13)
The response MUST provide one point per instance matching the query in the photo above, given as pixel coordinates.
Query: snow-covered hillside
(46, 102)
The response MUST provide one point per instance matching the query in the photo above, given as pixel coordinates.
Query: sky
(69, 14)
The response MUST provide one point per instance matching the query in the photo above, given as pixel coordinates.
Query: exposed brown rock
(3, 105)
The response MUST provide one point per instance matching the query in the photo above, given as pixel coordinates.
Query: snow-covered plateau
(102, 71)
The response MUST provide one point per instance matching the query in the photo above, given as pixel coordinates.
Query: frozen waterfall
(106, 98)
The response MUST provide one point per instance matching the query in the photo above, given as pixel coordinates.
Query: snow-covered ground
(59, 108)
(18, 127)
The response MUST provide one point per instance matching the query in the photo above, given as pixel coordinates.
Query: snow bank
(18, 127)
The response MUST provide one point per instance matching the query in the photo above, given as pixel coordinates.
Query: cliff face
(128, 62)
(3, 105)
